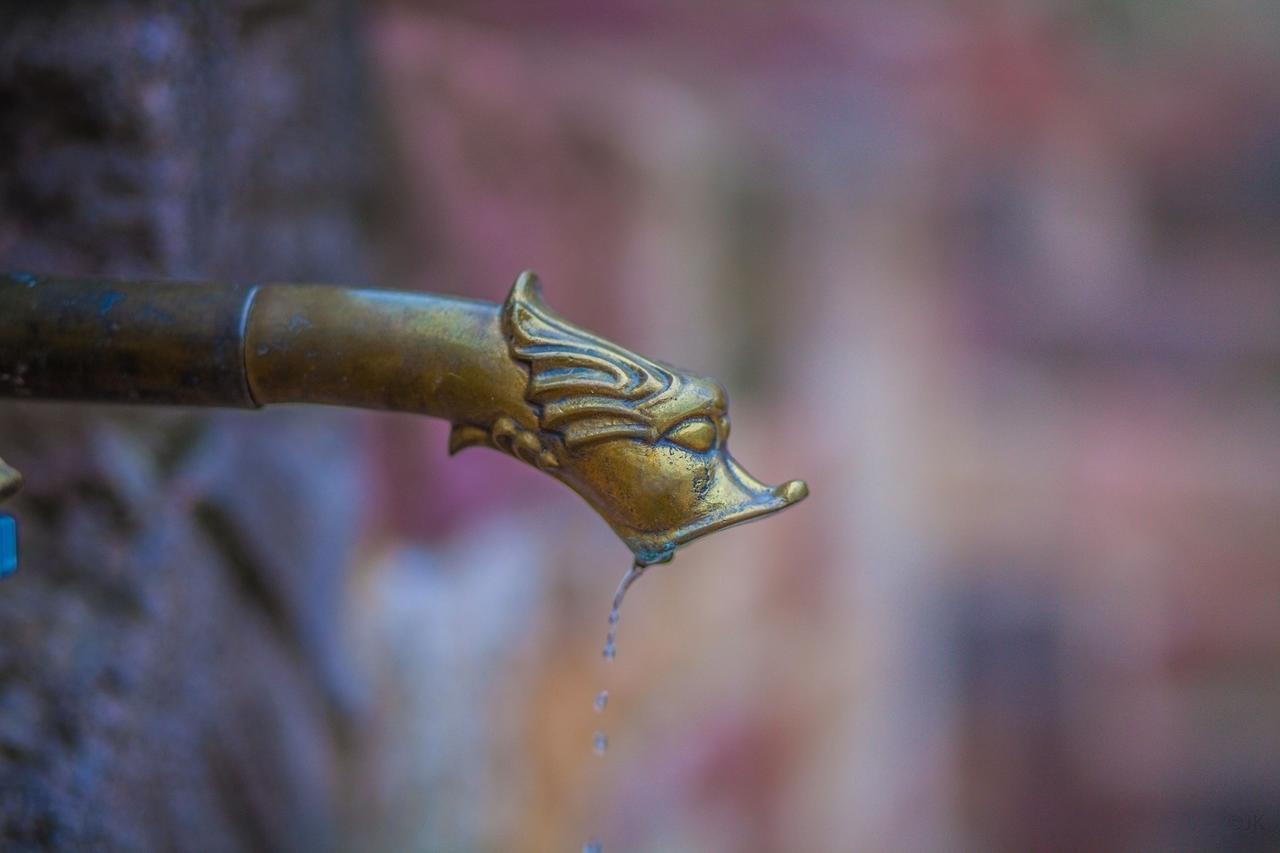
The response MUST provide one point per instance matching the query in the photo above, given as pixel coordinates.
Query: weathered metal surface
(123, 341)
(382, 349)
(643, 442)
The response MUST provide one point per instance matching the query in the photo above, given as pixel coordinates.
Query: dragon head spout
(644, 443)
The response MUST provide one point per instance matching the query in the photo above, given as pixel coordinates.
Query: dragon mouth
(732, 497)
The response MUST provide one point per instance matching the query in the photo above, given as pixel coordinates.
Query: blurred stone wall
(170, 675)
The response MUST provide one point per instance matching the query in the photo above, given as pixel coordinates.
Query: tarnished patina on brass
(643, 442)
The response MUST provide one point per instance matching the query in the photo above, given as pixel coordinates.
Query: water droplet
(600, 741)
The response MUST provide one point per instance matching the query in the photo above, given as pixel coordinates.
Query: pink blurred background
(1000, 280)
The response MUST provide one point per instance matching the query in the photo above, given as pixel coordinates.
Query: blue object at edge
(8, 545)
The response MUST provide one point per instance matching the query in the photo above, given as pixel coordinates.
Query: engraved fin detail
(584, 388)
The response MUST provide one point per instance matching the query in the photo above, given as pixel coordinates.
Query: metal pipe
(643, 442)
(135, 342)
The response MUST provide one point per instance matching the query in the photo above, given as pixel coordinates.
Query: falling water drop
(600, 741)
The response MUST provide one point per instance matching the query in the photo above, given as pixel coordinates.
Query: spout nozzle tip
(793, 491)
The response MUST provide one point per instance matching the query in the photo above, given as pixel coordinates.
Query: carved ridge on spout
(580, 388)
(585, 389)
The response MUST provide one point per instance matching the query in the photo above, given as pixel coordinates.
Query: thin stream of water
(610, 640)
(600, 741)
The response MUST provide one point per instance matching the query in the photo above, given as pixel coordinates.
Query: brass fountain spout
(643, 442)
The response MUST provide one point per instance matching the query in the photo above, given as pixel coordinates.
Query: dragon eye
(698, 435)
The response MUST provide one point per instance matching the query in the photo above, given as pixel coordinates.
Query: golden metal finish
(643, 442)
